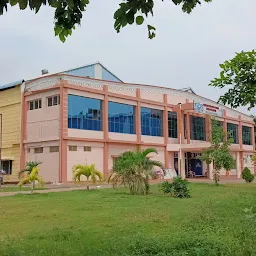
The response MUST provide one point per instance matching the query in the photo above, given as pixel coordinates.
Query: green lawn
(108, 222)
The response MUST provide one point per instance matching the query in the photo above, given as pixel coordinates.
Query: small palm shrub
(32, 177)
(177, 188)
(133, 169)
(28, 168)
(247, 175)
(89, 171)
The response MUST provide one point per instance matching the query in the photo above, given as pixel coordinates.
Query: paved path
(53, 190)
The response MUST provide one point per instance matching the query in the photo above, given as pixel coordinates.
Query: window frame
(33, 103)
(39, 150)
(121, 126)
(9, 171)
(72, 148)
(195, 126)
(248, 133)
(151, 129)
(87, 149)
(54, 149)
(172, 131)
(52, 99)
(85, 113)
(236, 141)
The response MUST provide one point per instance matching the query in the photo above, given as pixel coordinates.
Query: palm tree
(89, 171)
(133, 169)
(28, 168)
(31, 178)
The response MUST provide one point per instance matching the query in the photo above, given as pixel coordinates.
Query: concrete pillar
(238, 165)
(182, 165)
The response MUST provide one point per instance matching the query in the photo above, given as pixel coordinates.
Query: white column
(238, 165)
(182, 164)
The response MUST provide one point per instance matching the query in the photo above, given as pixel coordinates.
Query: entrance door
(196, 166)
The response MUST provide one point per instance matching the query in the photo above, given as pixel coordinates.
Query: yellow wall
(10, 108)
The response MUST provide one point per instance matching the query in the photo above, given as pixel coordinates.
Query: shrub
(133, 169)
(247, 175)
(177, 188)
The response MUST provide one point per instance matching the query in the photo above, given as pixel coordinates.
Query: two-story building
(70, 119)
(11, 116)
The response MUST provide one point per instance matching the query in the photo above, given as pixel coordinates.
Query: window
(84, 113)
(72, 148)
(35, 104)
(172, 125)
(121, 118)
(38, 150)
(53, 100)
(54, 149)
(247, 135)
(87, 149)
(197, 128)
(232, 130)
(151, 122)
(6, 165)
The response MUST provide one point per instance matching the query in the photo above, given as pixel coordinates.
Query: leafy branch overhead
(239, 75)
(69, 13)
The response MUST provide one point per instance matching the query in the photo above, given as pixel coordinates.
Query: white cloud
(186, 51)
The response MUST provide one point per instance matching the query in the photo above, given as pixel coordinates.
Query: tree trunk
(87, 184)
(32, 187)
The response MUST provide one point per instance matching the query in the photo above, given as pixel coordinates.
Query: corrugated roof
(11, 85)
(188, 89)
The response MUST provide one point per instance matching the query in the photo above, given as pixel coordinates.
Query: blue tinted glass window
(232, 130)
(172, 125)
(151, 122)
(247, 135)
(121, 118)
(197, 129)
(84, 113)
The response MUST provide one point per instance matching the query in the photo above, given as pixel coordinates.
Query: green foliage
(238, 74)
(166, 187)
(89, 171)
(177, 188)
(68, 13)
(219, 152)
(247, 175)
(28, 168)
(133, 169)
(211, 223)
(32, 177)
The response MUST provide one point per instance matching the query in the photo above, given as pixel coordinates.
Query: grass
(112, 222)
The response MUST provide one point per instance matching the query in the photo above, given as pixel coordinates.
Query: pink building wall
(82, 157)
(49, 125)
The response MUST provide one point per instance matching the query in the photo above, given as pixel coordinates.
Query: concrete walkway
(53, 190)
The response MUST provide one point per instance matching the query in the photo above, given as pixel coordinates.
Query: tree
(218, 153)
(28, 168)
(31, 178)
(133, 169)
(89, 171)
(247, 175)
(68, 13)
(239, 75)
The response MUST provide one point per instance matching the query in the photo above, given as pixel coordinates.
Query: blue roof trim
(11, 85)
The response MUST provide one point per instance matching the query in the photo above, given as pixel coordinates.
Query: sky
(186, 52)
